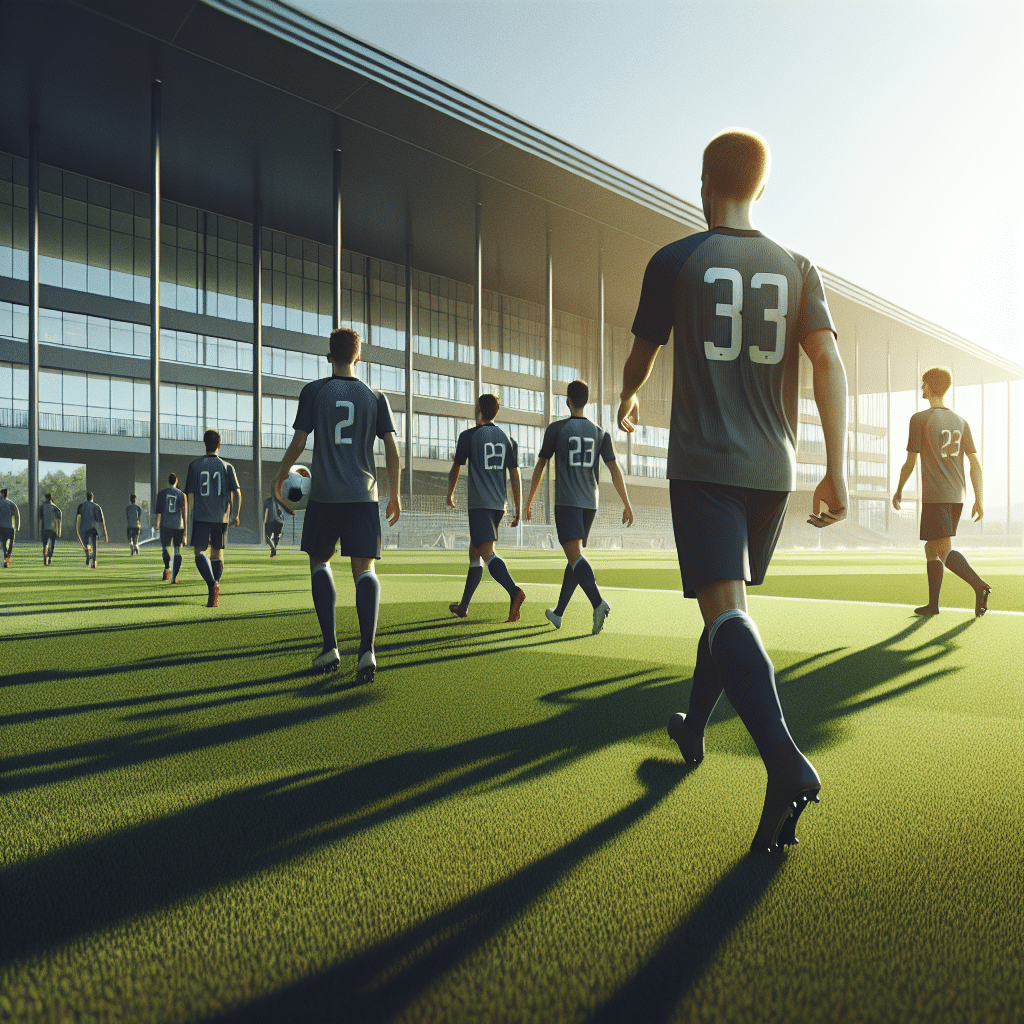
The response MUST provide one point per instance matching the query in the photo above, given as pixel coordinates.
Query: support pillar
(154, 294)
(549, 380)
(336, 312)
(600, 340)
(408, 374)
(33, 333)
(478, 306)
(257, 365)
(888, 434)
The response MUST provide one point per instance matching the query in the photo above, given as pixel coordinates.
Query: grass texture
(498, 828)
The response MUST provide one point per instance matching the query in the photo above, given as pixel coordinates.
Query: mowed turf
(497, 828)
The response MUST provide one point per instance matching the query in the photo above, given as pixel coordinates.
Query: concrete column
(408, 373)
(257, 367)
(28, 518)
(336, 317)
(600, 341)
(1009, 447)
(888, 434)
(478, 306)
(154, 293)
(549, 380)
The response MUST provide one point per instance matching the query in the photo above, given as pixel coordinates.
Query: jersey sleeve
(79, 512)
(513, 450)
(814, 314)
(914, 441)
(190, 480)
(654, 314)
(607, 451)
(385, 420)
(304, 419)
(547, 448)
(462, 448)
(232, 477)
(967, 445)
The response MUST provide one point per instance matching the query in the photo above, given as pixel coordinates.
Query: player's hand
(238, 522)
(896, 499)
(627, 515)
(393, 511)
(628, 415)
(515, 520)
(829, 503)
(977, 512)
(278, 484)
(450, 501)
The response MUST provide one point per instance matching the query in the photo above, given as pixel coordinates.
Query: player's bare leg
(935, 552)
(956, 563)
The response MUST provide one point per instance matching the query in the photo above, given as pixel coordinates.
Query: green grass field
(498, 828)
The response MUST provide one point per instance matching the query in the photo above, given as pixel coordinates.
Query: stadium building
(193, 193)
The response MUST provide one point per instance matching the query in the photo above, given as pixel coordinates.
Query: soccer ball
(296, 485)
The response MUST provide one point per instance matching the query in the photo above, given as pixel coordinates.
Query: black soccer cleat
(326, 661)
(691, 746)
(786, 795)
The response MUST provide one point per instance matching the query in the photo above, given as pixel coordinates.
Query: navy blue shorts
(483, 525)
(723, 532)
(573, 523)
(170, 536)
(133, 532)
(351, 528)
(206, 535)
(273, 530)
(940, 519)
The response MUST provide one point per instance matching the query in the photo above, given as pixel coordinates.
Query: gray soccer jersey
(577, 443)
(8, 514)
(943, 439)
(273, 510)
(210, 481)
(133, 513)
(92, 517)
(345, 417)
(490, 453)
(50, 516)
(169, 504)
(738, 306)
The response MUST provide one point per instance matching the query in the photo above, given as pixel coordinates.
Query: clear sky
(895, 127)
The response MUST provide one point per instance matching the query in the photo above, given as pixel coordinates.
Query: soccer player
(942, 439)
(10, 523)
(171, 517)
(345, 417)
(491, 453)
(273, 522)
(212, 499)
(88, 522)
(133, 513)
(576, 443)
(50, 521)
(740, 307)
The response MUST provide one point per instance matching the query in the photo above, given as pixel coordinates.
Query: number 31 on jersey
(734, 311)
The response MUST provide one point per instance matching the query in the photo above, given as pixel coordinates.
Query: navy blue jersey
(943, 439)
(578, 445)
(169, 505)
(50, 516)
(210, 481)
(8, 514)
(92, 517)
(491, 453)
(738, 306)
(133, 514)
(345, 417)
(273, 511)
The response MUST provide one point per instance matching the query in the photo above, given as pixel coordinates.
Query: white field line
(750, 596)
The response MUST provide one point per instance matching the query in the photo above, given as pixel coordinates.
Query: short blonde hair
(736, 164)
(939, 379)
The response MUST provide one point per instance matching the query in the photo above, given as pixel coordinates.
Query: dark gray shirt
(273, 511)
(92, 517)
(210, 481)
(576, 444)
(943, 439)
(345, 418)
(169, 504)
(491, 453)
(133, 513)
(8, 513)
(50, 516)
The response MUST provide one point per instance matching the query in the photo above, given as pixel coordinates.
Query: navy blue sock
(218, 568)
(569, 584)
(748, 677)
(499, 572)
(473, 578)
(177, 567)
(167, 558)
(325, 602)
(584, 574)
(205, 570)
(367, 607)
(705, 690)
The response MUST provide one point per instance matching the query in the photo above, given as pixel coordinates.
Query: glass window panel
(75, 389)
(141, 389)
(99, 333)
(99, 216)
(99, 395)
(121, 338)
(75, 330)
(50, 389)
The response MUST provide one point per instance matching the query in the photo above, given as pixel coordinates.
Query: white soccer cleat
(555, 620)
(600, 614)
(366, 668)
(328, 661)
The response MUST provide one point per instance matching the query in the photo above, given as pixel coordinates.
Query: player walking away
(942, 439)
(133, 513)
(171, 518)
(50, 521)
(10, 523)
(739, 307)
(490, 453)
(212, 499)
(88, 523)
(273, 522)
(345, 417)
(576, 443)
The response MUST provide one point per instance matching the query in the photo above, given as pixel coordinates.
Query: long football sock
(473, 578)
(167, 558)
(499, 572)
(205, 570)
(748, 677)
(956, 563)
(584, 573)
(177, 567)
(218, 569)
(569, 585)
(325, 602)
(367, 608)
(706, 688)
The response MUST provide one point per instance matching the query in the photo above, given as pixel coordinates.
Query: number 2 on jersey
(350, 418)
(734, 311)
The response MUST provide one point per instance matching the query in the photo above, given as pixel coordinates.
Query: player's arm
(393, 464)
(236, 497)
(515, 478)
(620, 486)
(634, 376)
(976, 482)
(453, 479)
(103, 520)
(905, 470)
(17, 518)
(830, 499)
(295, 449)
(78, 528)
(538, 475)
(185, 505)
